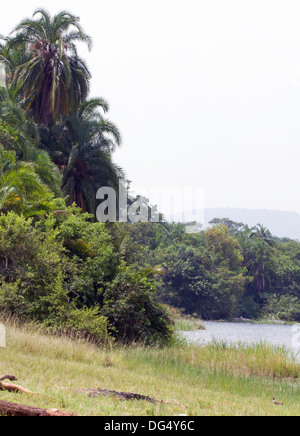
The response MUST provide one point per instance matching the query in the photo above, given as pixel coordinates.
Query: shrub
(64, 273)
(132, 310)
(284, 307)
(194, 280)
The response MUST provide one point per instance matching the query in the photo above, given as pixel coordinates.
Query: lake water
(249, 333)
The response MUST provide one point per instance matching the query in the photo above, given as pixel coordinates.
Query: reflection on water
(231, 332)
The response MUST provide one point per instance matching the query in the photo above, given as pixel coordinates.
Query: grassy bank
(213, 380)
(184, 322)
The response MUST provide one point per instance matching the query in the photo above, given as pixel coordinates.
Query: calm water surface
(231, 332)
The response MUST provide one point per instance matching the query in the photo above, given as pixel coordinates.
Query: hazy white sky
(206, 93)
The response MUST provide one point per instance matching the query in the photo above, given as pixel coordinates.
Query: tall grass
(185, 324)
(216, 379)
(246, 360)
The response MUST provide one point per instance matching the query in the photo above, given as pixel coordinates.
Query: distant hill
(280, 223)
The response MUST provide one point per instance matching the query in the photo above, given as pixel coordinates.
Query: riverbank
(270, 321)
(210, 380)
(183, 322)
(190, 323)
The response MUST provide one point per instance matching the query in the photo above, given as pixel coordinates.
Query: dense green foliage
(225, 272)
(65, 273)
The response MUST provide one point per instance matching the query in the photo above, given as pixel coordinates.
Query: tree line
(224, 272)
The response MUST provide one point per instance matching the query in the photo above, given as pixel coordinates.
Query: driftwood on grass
(15, 388)
(13, 409)
(12, 387)
(120, 395)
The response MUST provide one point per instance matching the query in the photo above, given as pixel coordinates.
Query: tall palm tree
(89, 165)
(245, 238)
(261, 264)
(59, 139)
(264, 235)
(55, 80)
(257, 245)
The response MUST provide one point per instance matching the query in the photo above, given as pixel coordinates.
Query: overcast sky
(206, 93)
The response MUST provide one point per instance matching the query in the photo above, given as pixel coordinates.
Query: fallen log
(14, 409)
(15, 388)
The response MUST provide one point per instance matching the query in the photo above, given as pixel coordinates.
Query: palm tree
(261, 265)
(22, 138)
(12, 56)
(55, 80)
(264, 235)
(245, 238)
(19, 183)
(257, 245)
(89, 165)
(58, 140)
(46, 170)
(12, 115)
(262, 262)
